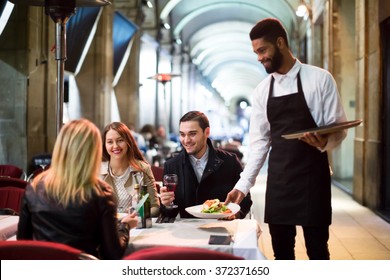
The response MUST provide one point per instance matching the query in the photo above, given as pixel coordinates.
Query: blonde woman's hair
(73, 173)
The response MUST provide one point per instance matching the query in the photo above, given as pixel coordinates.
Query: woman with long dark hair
(124, 166)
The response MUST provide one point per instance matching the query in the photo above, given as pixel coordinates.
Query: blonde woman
(124, 165)
(68, 203)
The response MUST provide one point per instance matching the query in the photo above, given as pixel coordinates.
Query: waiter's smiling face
(268, 54)
(193, 138)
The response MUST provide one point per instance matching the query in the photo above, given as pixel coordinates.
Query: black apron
(298, 183)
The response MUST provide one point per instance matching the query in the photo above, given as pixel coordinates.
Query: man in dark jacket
(204, 172)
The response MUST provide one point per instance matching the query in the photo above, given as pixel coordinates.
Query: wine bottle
(146, 216)
(136, 198)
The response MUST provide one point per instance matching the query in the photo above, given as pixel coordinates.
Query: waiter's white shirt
(322, 98)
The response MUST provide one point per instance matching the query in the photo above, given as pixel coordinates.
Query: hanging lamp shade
(78, 3)
(163, 77)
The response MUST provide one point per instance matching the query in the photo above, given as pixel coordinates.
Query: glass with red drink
(170, 182)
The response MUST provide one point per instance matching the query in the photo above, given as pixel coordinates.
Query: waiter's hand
(234, 196)
(315, 139)
(230, 218)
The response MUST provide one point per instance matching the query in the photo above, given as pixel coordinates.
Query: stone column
(127, 89)
(367, 165)
(344, 72)
(28, 86)
(95, 78)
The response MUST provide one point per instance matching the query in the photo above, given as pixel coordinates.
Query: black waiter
(295, 96)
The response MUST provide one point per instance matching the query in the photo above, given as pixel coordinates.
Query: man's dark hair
(270, 29)
(197, 117)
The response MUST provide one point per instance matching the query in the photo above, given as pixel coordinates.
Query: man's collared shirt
(200, 164)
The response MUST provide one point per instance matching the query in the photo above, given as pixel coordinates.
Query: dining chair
(158, 172)
(40, 250)
(179, 253)
(13, 182)
(12, 171)
(10, 198)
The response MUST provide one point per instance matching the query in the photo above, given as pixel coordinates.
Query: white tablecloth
(8, 227)
(196, 233)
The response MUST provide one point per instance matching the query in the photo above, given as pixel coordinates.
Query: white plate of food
(220, 211)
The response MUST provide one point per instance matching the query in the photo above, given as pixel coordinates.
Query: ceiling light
(303, 11)
(243, 104)
(178, 41)
(163, 77)
(148, 3)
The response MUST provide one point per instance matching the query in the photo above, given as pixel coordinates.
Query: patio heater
(163, 78)
(60, 11)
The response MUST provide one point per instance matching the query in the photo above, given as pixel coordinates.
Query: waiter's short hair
(270, 29)
(196, 116)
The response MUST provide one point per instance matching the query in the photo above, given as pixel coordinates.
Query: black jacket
(91, 227)
(219, 177)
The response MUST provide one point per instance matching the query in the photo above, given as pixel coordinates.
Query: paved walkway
(356, 233)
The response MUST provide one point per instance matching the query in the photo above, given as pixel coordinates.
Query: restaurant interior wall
(95, 79)
(124, 96)
(368, 142)
(126, 79)
(28, 74)
(323, 31)
(385, 187)
(344, 71)
(72, 109)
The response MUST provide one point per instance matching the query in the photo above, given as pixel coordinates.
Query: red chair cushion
(157, 172)
(13, 182)
(39, 250)
(9, 170)
(179, 253)
(11, 197)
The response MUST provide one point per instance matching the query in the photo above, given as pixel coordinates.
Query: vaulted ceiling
(215, 35)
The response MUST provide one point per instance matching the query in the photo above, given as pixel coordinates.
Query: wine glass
(170, 182)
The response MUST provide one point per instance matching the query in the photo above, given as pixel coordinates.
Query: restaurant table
(196, 233)
(8, 227)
